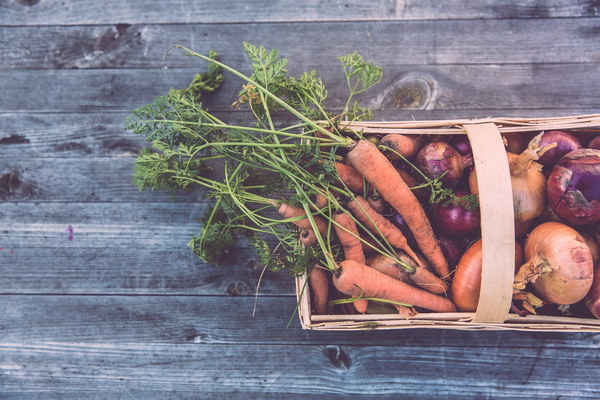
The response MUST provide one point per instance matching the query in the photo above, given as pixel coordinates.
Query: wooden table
(101, 298)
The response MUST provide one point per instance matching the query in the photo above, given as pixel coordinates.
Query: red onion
(594, 143)
(455, 219)
(574, 187)
(461, 144)
(453, 248)
(437, 158)
(565, 142)
(400, 223)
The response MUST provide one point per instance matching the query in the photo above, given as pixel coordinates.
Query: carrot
(347, 234)
(355, 279)
(376, 223)
(420, 277)
(289, 211)
(307, 237)
(319, 285)
(402, 144)
(376, 202)
(378, 170)
(351, 177)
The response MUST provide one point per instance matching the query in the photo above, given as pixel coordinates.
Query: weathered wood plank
(416, 42)
(98, 224)
(50, 12)
(163, 268)
(100, 369)
(443, 87)
(215, 320)
(78, 135)
(77, 180)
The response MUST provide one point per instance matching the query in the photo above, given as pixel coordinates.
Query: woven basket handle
(497, 222)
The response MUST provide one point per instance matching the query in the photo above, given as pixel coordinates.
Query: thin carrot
(351, 177)
(356, 279)
(288, 211)
(319, 285)
(402, 144)
(347, 233)
(377, 223)
(420, 276)
(378, 170)
(307, 237)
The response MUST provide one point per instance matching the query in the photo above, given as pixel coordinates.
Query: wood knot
(411, 92)
(338, 357)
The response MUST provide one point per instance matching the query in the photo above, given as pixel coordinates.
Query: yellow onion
(559, 264)
(466, 283)
(527, 179)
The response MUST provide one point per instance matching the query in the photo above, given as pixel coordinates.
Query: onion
(437, 158)
(565, 142)
(455, 219)
(461, 144)
(592, 299)
(516, 142)
(453, 248)
(574, 187)
(559, 264)
(527, 180)
(397, 220)
(594, 143)
(466, 283)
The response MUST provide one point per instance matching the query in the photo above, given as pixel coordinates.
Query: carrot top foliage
(259, 164)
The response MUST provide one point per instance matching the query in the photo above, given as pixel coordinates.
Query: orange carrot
(420, 277)
(376, 223)
(378, 170)
(355, 279)
(319, 285)
(289, 211)
(351, 177)
(403, 144)
(352, 247)
(376, 202)
(347, 234)
(307, 237)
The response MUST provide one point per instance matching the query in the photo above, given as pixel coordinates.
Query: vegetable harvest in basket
(378, 222)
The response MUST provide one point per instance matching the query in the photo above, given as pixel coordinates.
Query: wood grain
(443, 87)
(293, 369)
(419, 42)
(51, 12)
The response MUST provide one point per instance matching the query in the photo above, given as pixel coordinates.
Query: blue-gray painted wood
(123, 310)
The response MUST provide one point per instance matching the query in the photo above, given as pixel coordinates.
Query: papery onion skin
(563, 260)
(466, 283)
(565, 142)
(574, 187)
(437, 158)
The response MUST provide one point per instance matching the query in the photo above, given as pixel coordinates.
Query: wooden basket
(497, 230)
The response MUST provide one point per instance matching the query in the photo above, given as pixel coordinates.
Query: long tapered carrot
(402, 144)
(420, 276)
(351, 177)
(377, 223)
(355, 279)
(347, 234)
(378, 170)
(319, 285)
(289, 211)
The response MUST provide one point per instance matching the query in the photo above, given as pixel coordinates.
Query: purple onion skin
(565, 142)
(401, 224)
(454, 220)
(435, 158)
(453, 248)
(594, 143)
(461, 144)
(574, 187)
(592, 299)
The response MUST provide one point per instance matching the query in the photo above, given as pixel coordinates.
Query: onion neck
(525, 161)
